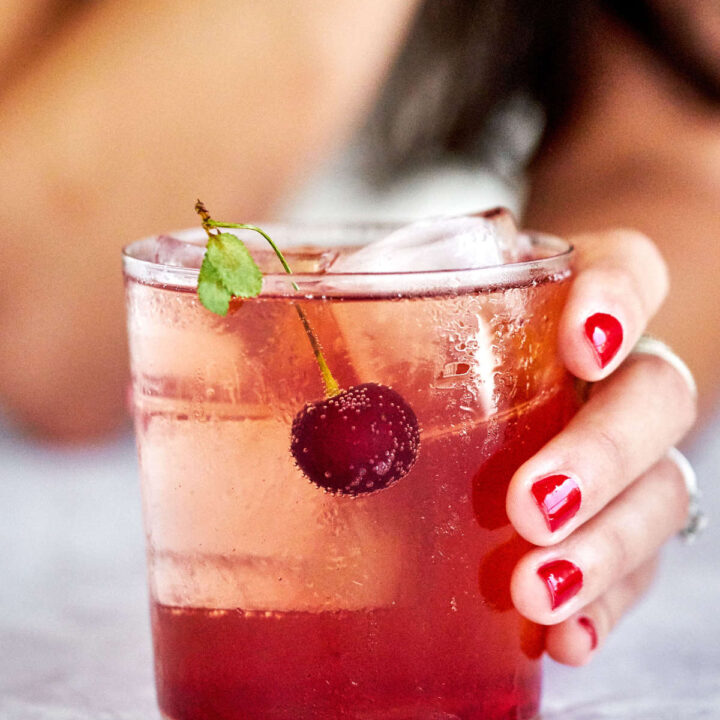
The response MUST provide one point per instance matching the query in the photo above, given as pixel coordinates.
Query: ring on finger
(649, 345)
(696, 518)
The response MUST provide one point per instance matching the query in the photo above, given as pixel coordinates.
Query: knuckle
(604, 615)
(671, 389)
(617, 548)
(613, 449)
(607, 609)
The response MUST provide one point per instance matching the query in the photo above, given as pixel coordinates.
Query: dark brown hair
(466, 66)
(471, 68)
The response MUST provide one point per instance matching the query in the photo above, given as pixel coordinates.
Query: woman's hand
(602, 497)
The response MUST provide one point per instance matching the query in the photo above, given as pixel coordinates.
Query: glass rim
(328, 284)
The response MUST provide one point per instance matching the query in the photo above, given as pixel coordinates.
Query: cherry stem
(331, 384)
(332, 387)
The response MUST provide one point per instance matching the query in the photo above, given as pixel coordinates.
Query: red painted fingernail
(558, 497)
(605, 334)
(563, 579)
(587, 624)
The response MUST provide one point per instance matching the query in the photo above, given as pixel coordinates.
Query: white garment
(338, 192)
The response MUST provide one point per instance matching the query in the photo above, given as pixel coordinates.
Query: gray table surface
(74, 631)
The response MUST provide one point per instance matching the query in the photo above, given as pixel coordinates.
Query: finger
(621, 281)
(631, 419)
(575, 640)
(548, 585)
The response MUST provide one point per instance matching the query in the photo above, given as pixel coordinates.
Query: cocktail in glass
(275, 599)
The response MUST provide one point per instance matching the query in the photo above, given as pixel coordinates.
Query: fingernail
(563, 579)
(558, 497)
(605, 334)
(587, 624)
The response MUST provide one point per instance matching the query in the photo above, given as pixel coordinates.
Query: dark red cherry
(359, 441)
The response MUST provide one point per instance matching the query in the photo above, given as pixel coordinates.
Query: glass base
(395, 714)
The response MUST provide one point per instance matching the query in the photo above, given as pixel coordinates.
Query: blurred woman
(115, 115)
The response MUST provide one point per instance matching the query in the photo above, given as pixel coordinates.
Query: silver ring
(697, 521)
(648, 345)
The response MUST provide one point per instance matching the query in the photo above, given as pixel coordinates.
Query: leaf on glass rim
(211, 291)
(234, 266)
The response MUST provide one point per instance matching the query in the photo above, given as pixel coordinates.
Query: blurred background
(114, 116)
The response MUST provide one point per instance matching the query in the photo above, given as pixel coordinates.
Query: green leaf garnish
(228, 269)
(211, 291)
(233, 265)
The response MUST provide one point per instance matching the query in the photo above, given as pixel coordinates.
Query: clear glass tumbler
(274, 599)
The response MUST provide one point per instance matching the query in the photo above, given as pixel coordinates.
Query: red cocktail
(273, 598)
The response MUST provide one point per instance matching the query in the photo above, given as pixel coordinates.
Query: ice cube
(437, 352)
(440, 347)
(233, 523)
(444, 243)
(169, 250)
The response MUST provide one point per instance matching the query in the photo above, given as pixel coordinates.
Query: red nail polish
(587, 624)
(605, 334)
(558, 497)
(563, 579)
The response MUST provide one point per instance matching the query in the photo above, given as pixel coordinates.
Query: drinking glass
(275, 599)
